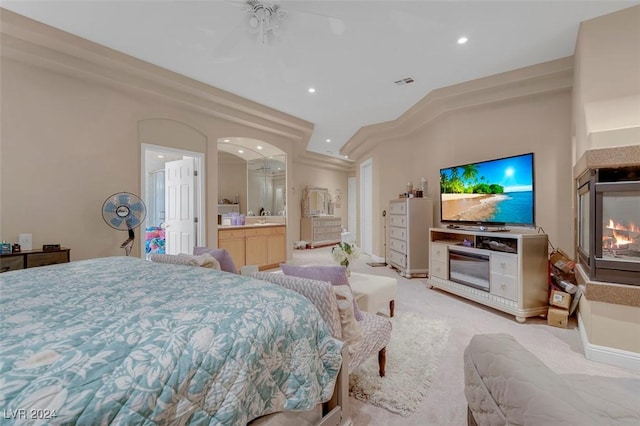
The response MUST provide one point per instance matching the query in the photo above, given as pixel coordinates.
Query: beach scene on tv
(491, 191)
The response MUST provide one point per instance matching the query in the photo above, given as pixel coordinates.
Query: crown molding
(29, 41)
(309, 158)
(544, 78)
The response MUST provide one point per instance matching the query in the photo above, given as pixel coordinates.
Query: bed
(125, 341)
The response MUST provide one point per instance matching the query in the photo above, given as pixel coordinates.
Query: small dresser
(33, 258)
(409, 223)
(321, 230)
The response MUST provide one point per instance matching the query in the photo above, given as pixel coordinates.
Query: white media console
(506, 270)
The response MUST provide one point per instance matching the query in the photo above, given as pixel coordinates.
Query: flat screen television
(489, 193)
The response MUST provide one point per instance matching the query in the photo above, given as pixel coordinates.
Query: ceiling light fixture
(226, 140)
(265, 18)
(240, 151)
(462, 40)
(160, 156)
(346, 156)
(259, 147)
(328, 140)
(312, 90)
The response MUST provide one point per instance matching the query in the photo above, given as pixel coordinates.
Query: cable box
(50, 247)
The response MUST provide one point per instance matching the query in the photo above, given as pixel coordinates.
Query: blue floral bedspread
(125, 341)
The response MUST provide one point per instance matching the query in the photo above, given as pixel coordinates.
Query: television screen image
(497, 191)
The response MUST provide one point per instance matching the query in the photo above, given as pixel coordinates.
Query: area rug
(413, 355)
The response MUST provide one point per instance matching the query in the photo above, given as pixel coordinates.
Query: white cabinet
(321, 230)
(505, 270)
(408, 246)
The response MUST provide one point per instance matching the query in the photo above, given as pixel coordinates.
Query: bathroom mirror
(266, 186)
(252, 173)
(315, 202)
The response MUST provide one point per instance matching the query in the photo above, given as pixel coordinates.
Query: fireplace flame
(620, 236)
(621, 239)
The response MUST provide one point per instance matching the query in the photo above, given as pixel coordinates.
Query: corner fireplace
(609, 224)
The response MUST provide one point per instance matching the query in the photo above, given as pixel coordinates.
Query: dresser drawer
(398, 208)
(11, 263)
(397, 220)
(398, 233)
(398, 258)
(398, 245)
(439, 252)
(44, 259)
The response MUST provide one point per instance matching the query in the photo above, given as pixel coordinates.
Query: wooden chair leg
(392, 307)
(382, 360)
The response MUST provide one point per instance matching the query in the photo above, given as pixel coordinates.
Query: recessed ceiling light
(279, 168)
(346, 156)
(312, 90)
(259, 147)
(240, 151)
(462, 40)
(160, 156)
(227, 140)
(328, 140)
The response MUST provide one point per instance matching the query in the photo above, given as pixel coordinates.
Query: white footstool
(374, 293)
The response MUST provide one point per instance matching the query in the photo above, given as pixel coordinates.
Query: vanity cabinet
(234, 241)
(264, 246)
(321, 230)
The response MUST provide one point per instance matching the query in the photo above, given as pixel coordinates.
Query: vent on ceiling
(404, 81)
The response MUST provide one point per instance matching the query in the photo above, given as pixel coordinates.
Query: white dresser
(321, 230)
(409, 223)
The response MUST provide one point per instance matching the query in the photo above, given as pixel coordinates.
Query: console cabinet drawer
(439, 269)
(504, 286)
(44, 259)
(398, 208)
(33, 258)
(439, 253)
(11, 263)
(504, 264)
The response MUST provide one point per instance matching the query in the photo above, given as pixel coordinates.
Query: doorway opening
(366, 206)
(172, 185)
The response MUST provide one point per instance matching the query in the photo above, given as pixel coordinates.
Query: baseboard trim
(607, 355)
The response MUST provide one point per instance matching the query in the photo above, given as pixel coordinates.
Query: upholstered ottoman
(374, 293)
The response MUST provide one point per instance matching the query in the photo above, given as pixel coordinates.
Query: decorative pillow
(336, 275)
(221, 255)
(351, 331)
(204, 260)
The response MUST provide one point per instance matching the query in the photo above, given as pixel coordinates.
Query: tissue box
(6, 248)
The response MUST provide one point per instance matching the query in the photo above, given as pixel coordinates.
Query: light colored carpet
(445, 405)
(413, 355)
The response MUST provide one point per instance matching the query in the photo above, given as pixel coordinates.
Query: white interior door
(180, 206)
(366, 206)
(352, 218)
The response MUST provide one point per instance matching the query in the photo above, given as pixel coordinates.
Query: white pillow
(351, 330)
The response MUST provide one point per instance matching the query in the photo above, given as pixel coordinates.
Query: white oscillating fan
(124, 211)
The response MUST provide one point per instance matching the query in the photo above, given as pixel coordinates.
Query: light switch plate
(25, 241)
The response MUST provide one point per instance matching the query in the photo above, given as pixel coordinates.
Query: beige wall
(607, 82)
(68, 143)
(606, 113)
(232, 179)
(309, 175)
(539, 123)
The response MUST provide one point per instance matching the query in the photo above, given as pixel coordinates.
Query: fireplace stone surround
(609, 312)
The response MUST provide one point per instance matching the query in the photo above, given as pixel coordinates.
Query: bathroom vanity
(261, 244)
